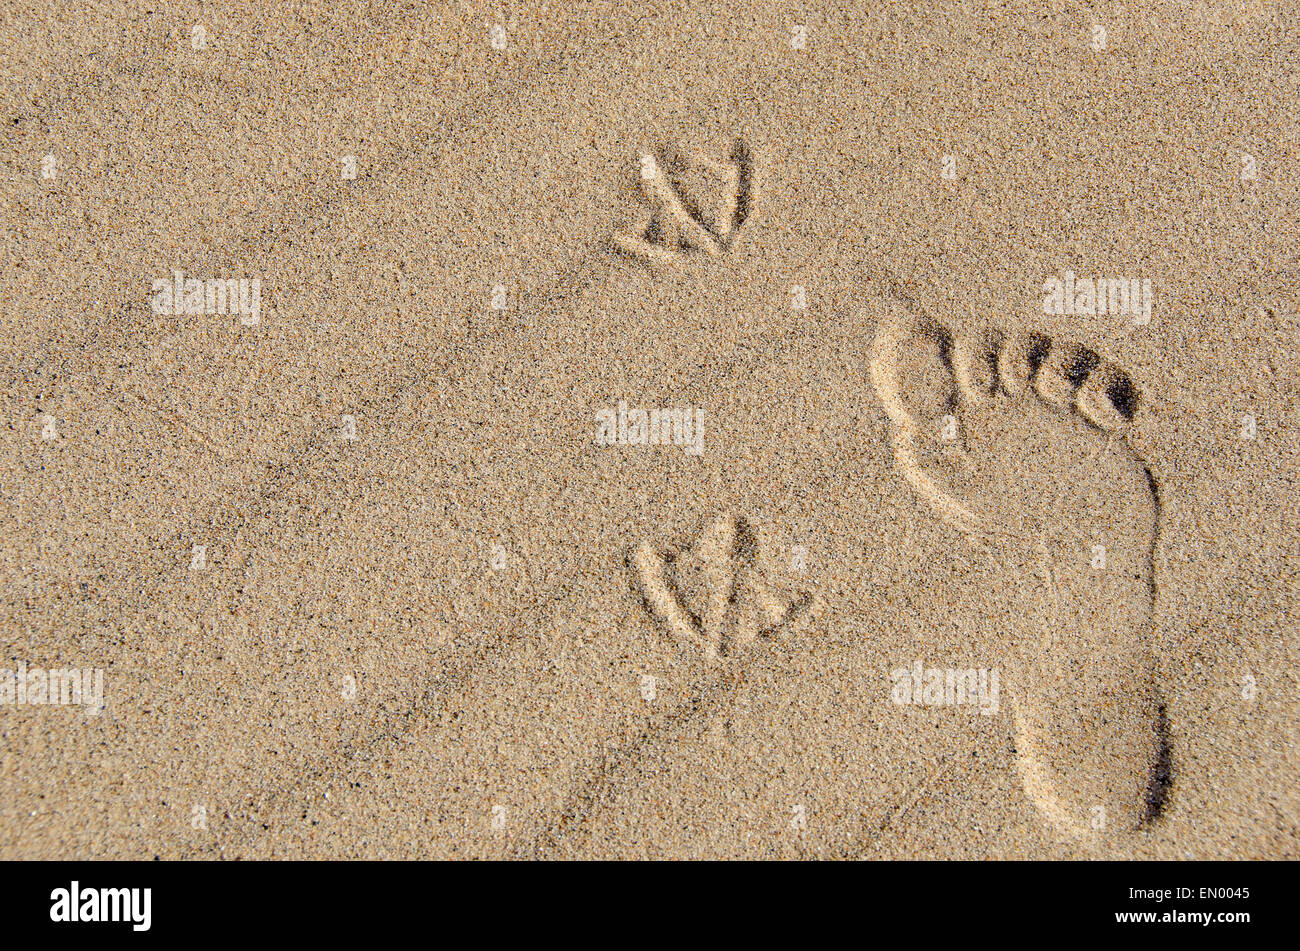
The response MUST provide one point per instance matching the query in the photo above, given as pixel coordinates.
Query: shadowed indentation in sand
(1113, 759)
(1039, 346)
(715, 595)
(692, 204)
(1082, 365)
(1124, 397)
(1162, 771)
(1153, 484)
(744, 194)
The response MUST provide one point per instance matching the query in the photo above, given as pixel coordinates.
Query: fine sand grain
(662, 430)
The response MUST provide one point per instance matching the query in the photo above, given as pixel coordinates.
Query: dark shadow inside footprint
(1039, 347)
(1162, 771)
(1123, 396)
(689, 205)
(745, 163)
(943, 338)
(1083, 364)
(745, 547)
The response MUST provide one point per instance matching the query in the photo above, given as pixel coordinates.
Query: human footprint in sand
(1019, 441)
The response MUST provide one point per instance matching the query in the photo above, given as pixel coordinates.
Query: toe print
(1018, 440)
(928, 378)
(974, 366)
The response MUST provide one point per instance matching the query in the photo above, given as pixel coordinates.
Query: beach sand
(936, 558)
